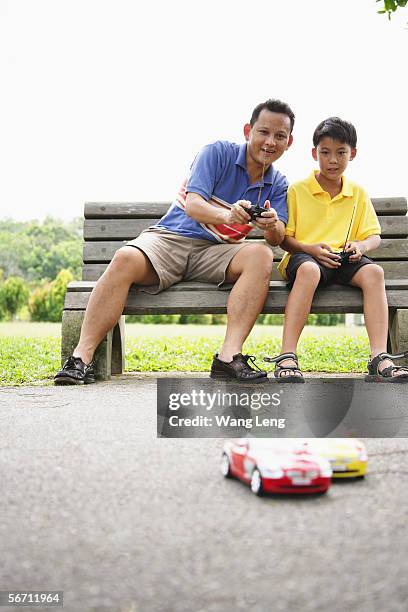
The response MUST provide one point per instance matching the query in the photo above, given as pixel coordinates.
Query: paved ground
(92, 503)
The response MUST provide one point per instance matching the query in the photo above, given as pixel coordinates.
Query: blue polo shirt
(219, 174)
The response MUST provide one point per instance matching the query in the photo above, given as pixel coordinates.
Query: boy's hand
(267, 220)
(357, 249)
(323, 254)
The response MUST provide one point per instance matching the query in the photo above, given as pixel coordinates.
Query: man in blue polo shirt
(201, 238)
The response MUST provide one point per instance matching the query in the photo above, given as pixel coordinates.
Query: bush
(325, 319)
(197, 319)
(157, 319)
(47, 301)
(218, 319)
(13, 296)
(273, 319)
(3, 309)
(37, 304)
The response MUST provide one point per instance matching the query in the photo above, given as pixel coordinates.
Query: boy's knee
(308, 272)
(372, 274)
(377, 271)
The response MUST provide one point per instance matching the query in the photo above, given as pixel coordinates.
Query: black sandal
(279, 369)
(386, 375)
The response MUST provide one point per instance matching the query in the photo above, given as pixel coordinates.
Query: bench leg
(398, 332)
(118, 347)
(70, 332)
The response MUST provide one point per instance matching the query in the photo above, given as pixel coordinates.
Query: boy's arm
(321, 252)
(362, 246)
(368, 230)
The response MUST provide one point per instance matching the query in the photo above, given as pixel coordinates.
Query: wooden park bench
(109, 225)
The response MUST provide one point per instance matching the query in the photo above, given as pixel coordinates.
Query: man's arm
(203, 212)
(276, 234)
(200, 210)
(269, 223)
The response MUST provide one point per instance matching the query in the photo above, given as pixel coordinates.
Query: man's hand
(237, 213)
(268, 220)
(357, 249)
(323, 254)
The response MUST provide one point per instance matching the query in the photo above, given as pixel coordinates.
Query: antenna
(351, 223)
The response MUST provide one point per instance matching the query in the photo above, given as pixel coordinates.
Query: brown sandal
(279, 369)
(387, 374)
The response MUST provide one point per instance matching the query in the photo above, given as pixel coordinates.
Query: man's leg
(370, 279)
(129, 265)
(297, 310)
(250, 269)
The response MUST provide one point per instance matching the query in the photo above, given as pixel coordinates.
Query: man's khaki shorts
(177, 258)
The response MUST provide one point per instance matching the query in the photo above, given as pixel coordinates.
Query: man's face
(268, 138)
(333, 157)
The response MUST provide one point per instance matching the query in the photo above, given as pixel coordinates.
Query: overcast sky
(109, 100)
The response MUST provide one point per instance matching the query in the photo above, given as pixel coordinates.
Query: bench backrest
(109, 225)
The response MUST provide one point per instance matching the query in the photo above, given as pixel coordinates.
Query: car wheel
(256, 482)
(225, 466)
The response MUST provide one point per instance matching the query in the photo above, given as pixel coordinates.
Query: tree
(38, 251)
(390, 6)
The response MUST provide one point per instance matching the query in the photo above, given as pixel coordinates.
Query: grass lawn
(30, 352)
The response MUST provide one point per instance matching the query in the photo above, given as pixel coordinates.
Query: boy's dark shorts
(328, 276)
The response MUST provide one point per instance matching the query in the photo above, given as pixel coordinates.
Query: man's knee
(127, 257)
(308, 272)
(258, 257)
(132, 265)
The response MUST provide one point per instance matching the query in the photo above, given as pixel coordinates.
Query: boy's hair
(275, 106)
(337, 129)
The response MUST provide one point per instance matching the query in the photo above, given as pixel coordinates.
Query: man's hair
(275, 106)
(337, 129)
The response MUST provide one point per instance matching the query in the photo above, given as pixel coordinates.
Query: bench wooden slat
(78, 286)
(185, 298)
(127, 229)
(103, 251)
(392, 270)
(100, 210)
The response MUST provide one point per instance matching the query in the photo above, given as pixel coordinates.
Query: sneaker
(238, 369)
(75, 372)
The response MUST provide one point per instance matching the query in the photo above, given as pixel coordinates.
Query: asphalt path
(94, 504)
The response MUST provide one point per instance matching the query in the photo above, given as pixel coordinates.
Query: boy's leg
(297, 310)
(370, 279)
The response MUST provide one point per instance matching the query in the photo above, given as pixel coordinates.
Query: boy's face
(333, 157)
(268, 138)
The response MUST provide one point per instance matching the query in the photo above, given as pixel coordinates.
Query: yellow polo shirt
(315, 217)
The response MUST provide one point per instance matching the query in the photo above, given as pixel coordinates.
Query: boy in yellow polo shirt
(328, 214)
